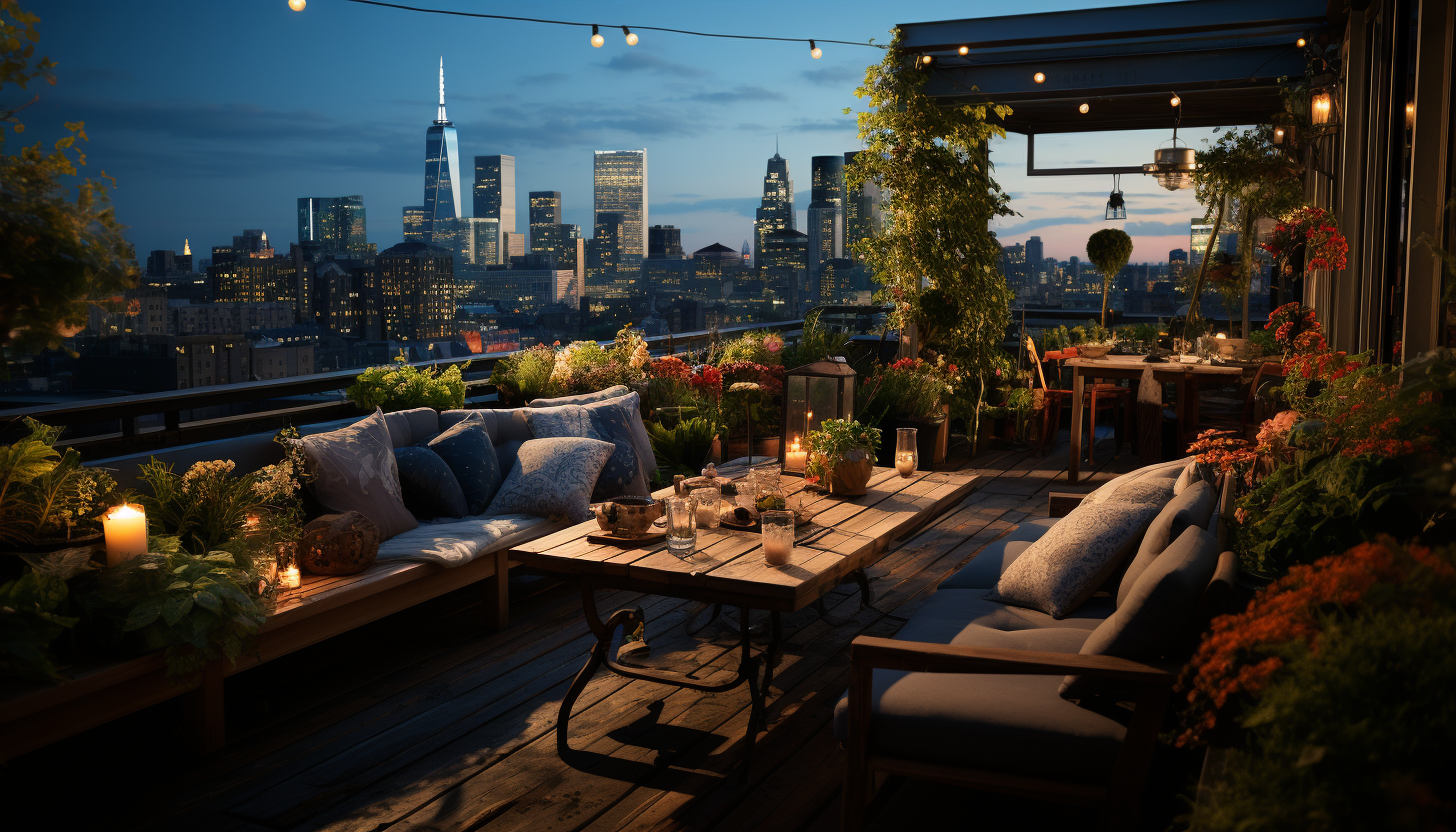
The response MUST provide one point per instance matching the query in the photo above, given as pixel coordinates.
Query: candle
(905, 463)
(707, 515)
(126, 533)
(776, 550)
(796, 458)
(778, 537)
(290, 578)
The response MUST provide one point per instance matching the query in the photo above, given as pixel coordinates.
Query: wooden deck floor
(425, 721)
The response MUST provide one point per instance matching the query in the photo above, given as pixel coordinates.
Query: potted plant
(910, 393)
(47, 500)
(841, 456)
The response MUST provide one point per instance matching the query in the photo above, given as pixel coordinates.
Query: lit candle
(126, 533)
(707, 515)
(796, 458)
(905, 463)
(290, 578)
(776, 549)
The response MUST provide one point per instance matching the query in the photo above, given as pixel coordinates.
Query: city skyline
(248, 130)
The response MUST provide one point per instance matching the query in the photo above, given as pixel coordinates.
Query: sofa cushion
(466, 448)
(582, 398)
(428, 486)
(608, 421)
(1063, 567)
(553, 477)
(641, 442)
(355, 471)
(1189, 475)
(1193, 507)
(1152, 483)
(413, 426)
(986, 567)
(1010, 723)
(955, 616)
(454, 542)
(1155, 611)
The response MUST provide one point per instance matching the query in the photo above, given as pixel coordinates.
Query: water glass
(682, 525)
(907, 456)
(709, 501)
(778, 536)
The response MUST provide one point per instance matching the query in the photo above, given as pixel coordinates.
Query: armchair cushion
(606, 421)
(355, 471)
(986, 567)
(1193, 507)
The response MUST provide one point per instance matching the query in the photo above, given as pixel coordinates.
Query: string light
(1084, 108)
(597, 39)
(1175, 100)
(926, 59)
(630, 35)
(1300, 43)
(1040, 77)
(814, 51)
(297, 5)
(964, 50)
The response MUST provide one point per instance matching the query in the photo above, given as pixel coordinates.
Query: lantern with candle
(813, 394)
(126, 533)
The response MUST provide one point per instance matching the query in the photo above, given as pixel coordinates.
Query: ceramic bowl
(1099, 351)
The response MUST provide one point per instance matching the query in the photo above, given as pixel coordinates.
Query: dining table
(1186, 378)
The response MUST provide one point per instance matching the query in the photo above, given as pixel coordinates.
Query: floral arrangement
(835, 438)
(403, 386)
(764, 348)
(1315, 229)
(1291, 321)
(910, 388)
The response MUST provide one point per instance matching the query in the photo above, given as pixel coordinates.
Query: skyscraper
(474, 241)
(414, 223)
(862, 217)
(1035, 254)
(1199, 230)
(417, 287)
(495, 190)
(442, 167)
(545, 210)
(776, 209)
(664, 242)
(335, 223)
(620, 187)
(826, 211)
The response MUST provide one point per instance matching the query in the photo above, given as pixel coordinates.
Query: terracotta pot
(851, 476)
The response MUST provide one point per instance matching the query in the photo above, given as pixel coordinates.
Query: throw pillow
(1155, 612)
(355, 471)
(1152, 483)
(1191, 508)
(553, 477)
(1187, 477)
(429, 487)
(606, 421)
(1066, 565)
(467, 450)
(584, 398)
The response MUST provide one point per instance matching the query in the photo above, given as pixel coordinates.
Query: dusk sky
(217, 116)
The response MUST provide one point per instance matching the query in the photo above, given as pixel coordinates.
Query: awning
(1223, 58)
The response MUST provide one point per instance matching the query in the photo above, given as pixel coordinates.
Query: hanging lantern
(813, 393)
(1116, 207)
(1173, 165)
(1321, 105)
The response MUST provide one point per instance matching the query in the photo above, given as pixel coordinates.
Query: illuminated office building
(826, 211)
(545, 210)
(442, 167)
(414, 223)
(495, 190)
(863, 217)
(620, 187)
(474, 241)
(335, 223)
(776, 208)
(417, 291)
(1199, 230)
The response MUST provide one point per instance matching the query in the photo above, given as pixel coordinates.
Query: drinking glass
(778, 536)
(709, 499)
(907, 457)
(682, 525)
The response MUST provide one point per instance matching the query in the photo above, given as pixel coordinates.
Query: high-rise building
(784, 263)
(1013, 264)
(664, 242)
(262, 277)
(1035, 261)
(495, 190)
(604, 249)
(161, 263)
(826, 211)
(414, 223)
(1198, 233)
(474, 241)
(562, 246)
(442, 167)
(1177, 254)
(545, 210)
(862, 215)
(183, 261)
(620, 187)
(417, 288)
(776, 208)
(747, 255)
(335, 223)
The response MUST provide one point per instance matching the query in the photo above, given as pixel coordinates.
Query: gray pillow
(1189, 475)
(1155, 612)
(355, 471)
(1067, 564)
(1191, 508)
(1152, 483)
(428, 485)
(609, 421)
(553, 477)
(584, 398)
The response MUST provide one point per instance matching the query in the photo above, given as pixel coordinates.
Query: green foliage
(403, 387)
(835, 438)
(61, 248)
(817, 343)
(1355, 735)
(906, 389)
(523, 376)
(1108, 250)
(206, 508)
(1264, 338)
(46, 495)
(29, 622)
(753, 348)
(682, 448)
(932, 166)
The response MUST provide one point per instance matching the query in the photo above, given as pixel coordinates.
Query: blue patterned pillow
(604, 421)
(430, 489)
(553, 477)
(466, 448)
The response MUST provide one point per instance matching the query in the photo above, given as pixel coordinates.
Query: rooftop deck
(425, 720)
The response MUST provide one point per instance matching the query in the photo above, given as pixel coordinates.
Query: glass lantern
(813, 393)
(907, 456)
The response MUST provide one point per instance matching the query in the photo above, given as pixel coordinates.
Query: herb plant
(835, 438)
(45, 494)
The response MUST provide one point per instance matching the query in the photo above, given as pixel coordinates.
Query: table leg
(1180, 407)
(1079, 384)
(771, 653)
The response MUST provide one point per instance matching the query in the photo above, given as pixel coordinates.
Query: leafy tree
(1108, 250)
(936, 257)
(61, 247)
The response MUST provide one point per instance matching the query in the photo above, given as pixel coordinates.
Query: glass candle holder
(289, 575)
(709, 502)
(907, 457)
(682, 525)
(778, 536)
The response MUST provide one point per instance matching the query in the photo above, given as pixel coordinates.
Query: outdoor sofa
(971, 691)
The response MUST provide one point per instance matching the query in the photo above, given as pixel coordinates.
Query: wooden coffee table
(727, 569)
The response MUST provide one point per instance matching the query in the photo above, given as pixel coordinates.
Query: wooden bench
(325, 606)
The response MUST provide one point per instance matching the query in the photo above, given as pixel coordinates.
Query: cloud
(826, 125)
(834, 76)
(647, 62)
(739, 94)
(546, 78)
(1156, 229)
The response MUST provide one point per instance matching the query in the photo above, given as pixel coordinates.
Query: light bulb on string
(631, 36)
(964, 50)
(814, 51)
(1084, 108)
(1300, 43)
(926, 59)
(1175, 100)
(597, 39)
(1040, 77)
(297, 5)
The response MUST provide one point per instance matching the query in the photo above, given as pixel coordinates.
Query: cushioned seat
(988, 564)
(452, 541)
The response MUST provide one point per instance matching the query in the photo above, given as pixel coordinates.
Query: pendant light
(1173, 165)
(1116, 207)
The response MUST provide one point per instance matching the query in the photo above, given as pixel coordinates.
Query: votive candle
(905, 463)
(125, 528)
(796, 458)
(290, 578)
(778, 537)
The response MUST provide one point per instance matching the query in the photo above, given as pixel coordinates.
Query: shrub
(403, 386)
(682, 448)
(911, 388)
(523, 376)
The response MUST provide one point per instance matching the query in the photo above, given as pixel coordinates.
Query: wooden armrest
(925, 657)
(1061, 503)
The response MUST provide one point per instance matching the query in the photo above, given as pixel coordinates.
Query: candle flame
(123, 511)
